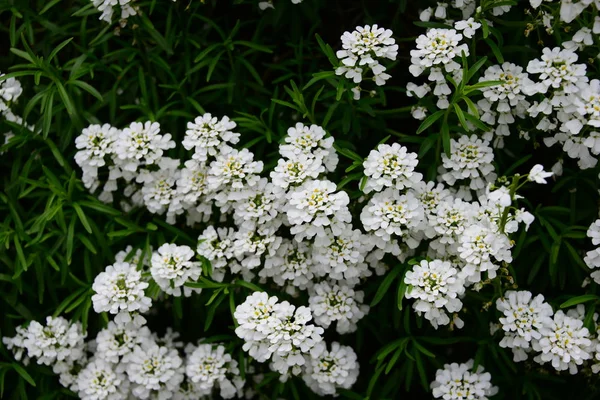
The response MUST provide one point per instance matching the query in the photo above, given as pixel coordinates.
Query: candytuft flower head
(538, 175)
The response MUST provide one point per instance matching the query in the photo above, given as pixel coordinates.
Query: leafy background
(266, 70)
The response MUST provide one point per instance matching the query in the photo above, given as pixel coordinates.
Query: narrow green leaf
(430, 120)
(24, 374)
(385, 285)
(579, 299)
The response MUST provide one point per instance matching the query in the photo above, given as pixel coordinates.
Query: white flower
(326, 371)
(16, 344)
(254, 316)
(524, 316)
(430, 195)
(263, 204)
(10, 91)
(311, 142)
(470, 158)
(482, 248)
(120, 288)
(451, 218)
(458, 382)
(468, 27)
(209, 366)
(172, 267)
(337, 302)
(95, 143)
(390, 213)
(340, 255)
(216, 246)
(437, 48)
(99, 381)
(251, 244)
(391, 166)
(563, 343)
(276, 329)
(589, 103)
(154, 368)
(292, 264)
(207, 134)
(58, 340)
(538, 175)
(159, 192)
(558, 69)
(501, 103)
(316, 205)
(292, 337)
(232, 171)
(116, 341)
(437, 287)
(293, 172)
(569, 10)
(141, 144)
(107, 9)
(366, 44)
(192, 190)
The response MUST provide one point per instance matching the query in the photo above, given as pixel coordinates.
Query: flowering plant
(241, 199)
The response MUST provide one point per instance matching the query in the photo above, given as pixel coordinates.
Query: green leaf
(58, 48)
(461, 116)
(21, 371)
(253, 45)
(248, 285)
(495, 49)
(385, 285)
(82, 218)
(579, 299)
(328, 51)
(319, 76)
(430, 120)
(88, 88)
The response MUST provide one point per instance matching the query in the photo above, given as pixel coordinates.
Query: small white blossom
(391, 166)
(524, 316)
(58, 340)
(172, 267)
(563, 343)
(207, 134)
(120, 288)
(326, 371)
(458, 382)
(153, 368)
(99, 381)
(316, 205)
(538, 175)
(337, 302)
(437, 287)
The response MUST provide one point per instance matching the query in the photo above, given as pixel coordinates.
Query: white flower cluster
(531, 326)
(592, 258)
(362, 50)
(459, 381)
(58, 341)
(126, 8)
(437, 287)
(10, 91)
(282, 333)
(331, 302)
(436, 53)
(465, 9)
(553, 92)
(126, 360)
